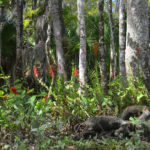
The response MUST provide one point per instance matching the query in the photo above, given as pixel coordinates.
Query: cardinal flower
(52, 70)
(45, 98)
(14, 90)
(51, 73)
(95, 47)
(35, 71)
(76, 74)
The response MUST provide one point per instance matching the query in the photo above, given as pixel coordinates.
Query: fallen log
(133, 111)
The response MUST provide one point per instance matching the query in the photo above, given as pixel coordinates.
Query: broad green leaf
(15, 107)
(32, 100)
(26, 23)
(1, 93)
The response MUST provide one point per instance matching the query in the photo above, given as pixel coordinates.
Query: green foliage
(134, 93)
(42, 123)
(28, 14)
(4, 3)
(32, 113)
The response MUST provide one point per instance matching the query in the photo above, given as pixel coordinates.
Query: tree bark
(0, 43)
(19, 36)
(2, 16)
(34, 4)
(103, 68)
(82, 52)
(137, 56)
(58, 27)
(112, 42)
(122, 40)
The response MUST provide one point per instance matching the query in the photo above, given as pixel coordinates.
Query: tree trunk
(1, 27)
(82, 52)
(137, 56)
(103, 69)
(122, 40)
(0, 43)
(39, 4)
(58, 27)
(19, 36)
(2, 16)
(49, 35)
(112, 42)
(34, 4)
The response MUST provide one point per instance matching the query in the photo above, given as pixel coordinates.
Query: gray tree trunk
(112, 42)
(58, 27)
(103, 69)
(49, 29)
(137, 56)
(82, 52)
(19, 36)
(122, 40)
(49, 35)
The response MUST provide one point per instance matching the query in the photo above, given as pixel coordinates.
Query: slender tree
(1, 27)
(34, 4)
(112, 42)
(0, 43)
(2, 18)
(137, 53)
(82, 52)
(49, 31)
(103, 70)
(122, 39)
(19, 36)
(58, 27)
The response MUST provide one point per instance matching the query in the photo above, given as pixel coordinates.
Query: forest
(74, 74)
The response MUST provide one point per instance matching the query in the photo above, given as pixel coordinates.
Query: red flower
(35, 71)
(14, 90)
(0, 59)
(45, 98)
(76, 74)
(95, 47)
(51, 73)
(70, 147)
(52, 70)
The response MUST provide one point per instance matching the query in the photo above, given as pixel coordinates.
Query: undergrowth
(30, 120)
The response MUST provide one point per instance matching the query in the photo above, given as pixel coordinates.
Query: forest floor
(56, 136)
(30, 121)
